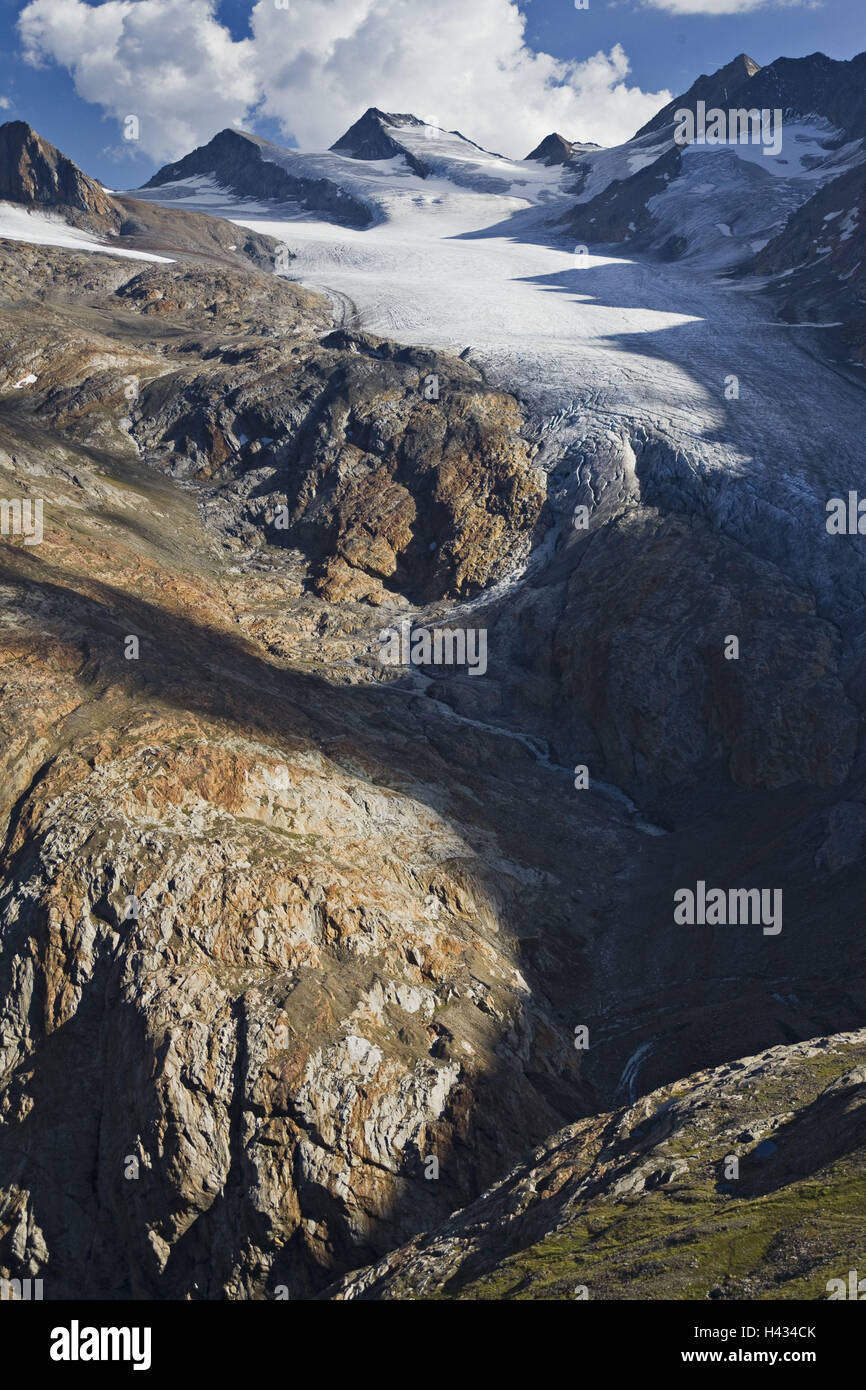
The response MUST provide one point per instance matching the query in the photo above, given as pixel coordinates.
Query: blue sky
(302, 74)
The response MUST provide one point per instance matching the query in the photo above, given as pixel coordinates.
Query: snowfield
(751, 427)
(47, 229)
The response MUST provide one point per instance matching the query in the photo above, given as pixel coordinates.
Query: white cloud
(168, 62)
(466, 64)
(318, 64)
(5, 103)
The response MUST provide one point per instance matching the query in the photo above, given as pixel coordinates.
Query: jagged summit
(554, 149)
(738, 69)
(800, 87)
(386, 135)
(33, 171)
(815, 85)
(370, 138)
(716, 89)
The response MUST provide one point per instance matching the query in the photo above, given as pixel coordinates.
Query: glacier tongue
(603, 350)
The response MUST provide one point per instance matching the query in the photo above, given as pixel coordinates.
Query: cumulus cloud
(168, 62)
(315, 66)
(466, 65)
(5, 103)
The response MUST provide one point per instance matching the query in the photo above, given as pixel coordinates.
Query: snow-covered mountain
(235, 164)
(414, 187)
(604, 454)
(426, 149)
(720, 203)
(619, 340)
(381, 161)
(714, 206)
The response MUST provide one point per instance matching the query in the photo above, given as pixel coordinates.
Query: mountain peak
(369, 137)
(32, 170)
(718, 88)
(248, 166)
(742, 63)
(554, 149)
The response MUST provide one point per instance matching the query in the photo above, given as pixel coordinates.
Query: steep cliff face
(262, 953)
(816, 266)
(34, 171)
(241, 1083)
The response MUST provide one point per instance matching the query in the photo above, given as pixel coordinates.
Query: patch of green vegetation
(657, 1247)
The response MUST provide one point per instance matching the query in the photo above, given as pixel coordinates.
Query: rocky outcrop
(396, 464)
(817, 265)
(621, 212)
(737, 1183)
(33, 171)
(554, 149)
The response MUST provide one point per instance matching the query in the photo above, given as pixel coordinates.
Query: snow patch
(47, 229)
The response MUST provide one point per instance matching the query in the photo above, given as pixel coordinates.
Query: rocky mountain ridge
(240, 163)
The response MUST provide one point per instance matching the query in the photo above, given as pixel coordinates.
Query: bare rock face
(266, 1007)
(395, 463)
(259, 996)
(36, 174)
(553, 149)
(736, 1183)
(816, 265)
(375, 135)
(620, 212)
(34, 171)
(666, 696)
